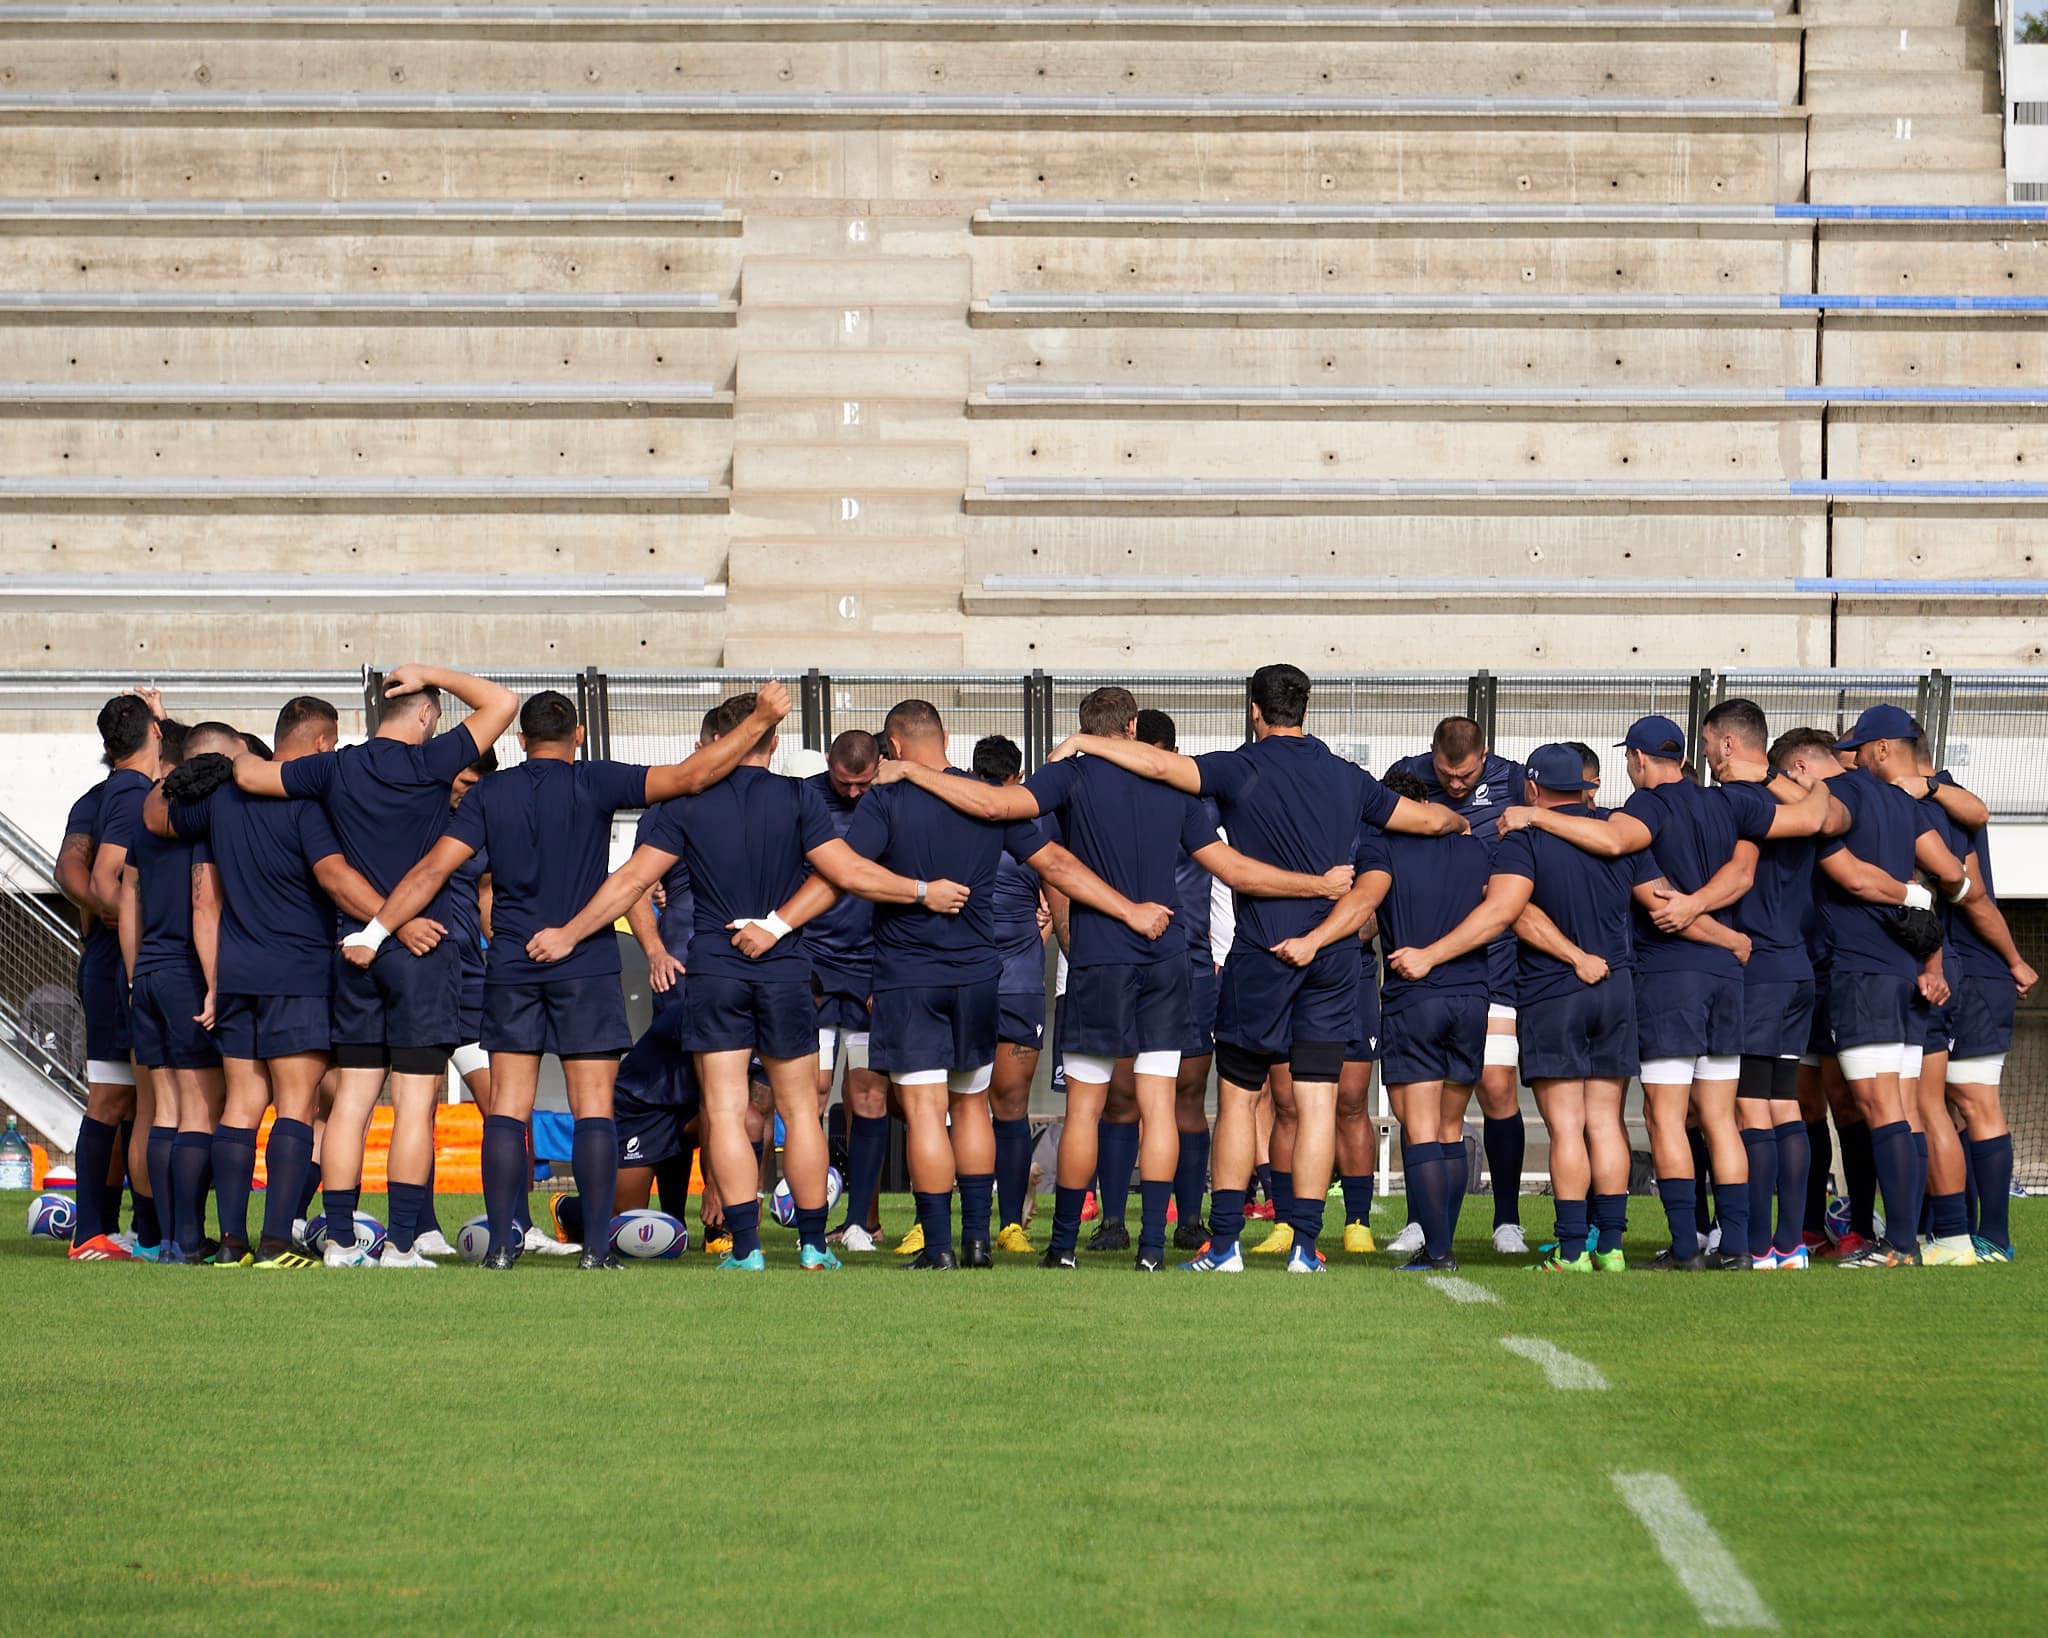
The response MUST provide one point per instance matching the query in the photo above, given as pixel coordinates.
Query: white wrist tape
(371, 938)
(1917, 897)
(777, 928)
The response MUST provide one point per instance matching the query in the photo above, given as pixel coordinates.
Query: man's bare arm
(974, 797)
(1506, 897)
(1345, 918)
(74, 872)
(492, 706)
(1243, 874)
(1861, 880)
(1412, 818)
(1058, 868)
(1146, 761)
(1613, 837)
(851, 873)
(206, 922)
(107, 867)
(1535, 929)
(1932, 855)
(259, 777)
(128, 921)
(708, 764)
(618, 893)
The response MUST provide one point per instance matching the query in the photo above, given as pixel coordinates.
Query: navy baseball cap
(1879, 722)
(1655, 736)
(1557, 768)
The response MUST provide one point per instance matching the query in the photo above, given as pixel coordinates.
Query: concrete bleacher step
(1900, 49)
(899, 588)
(597, 399)
(855, 281)
(674, 216)
(1875, 91)
(1846, 183)
(939, 373)
(1906, 143)
(849, 469)
(1898, 13)
(704, 307)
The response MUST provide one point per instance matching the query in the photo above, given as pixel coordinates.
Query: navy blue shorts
(1586, 1032)
(1820, 1035)
(1020, 1018)
(933, 1026)
(656, 1095)
(470, 1017)
(1687, 1015)
(572, 1017)
(839, 1009)
(1941, 1022)
(1777, 1018)
(1871, 1009)
(1430, 1036)
(1984, 1009)
(400, 999)
(1266, 1006)
(1364, 1046)
(162, 1019)
(270, 1026)
(1503, 965)
(1124, 1008)
(1202, 987)
(103, 992)
(775, 1016)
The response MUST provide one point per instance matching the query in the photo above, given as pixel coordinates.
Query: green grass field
(200, 1449)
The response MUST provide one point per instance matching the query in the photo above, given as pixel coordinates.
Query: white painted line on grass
(1564, 1370)
(1705, 1568)
(1459, 1290)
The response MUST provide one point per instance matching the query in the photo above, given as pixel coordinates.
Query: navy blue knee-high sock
(1703, 1180)
(1226, 1217)
(1677, 1195)
(190, 1151)
(234, 1179)
(1280, 1191)
(93, 1153)
(867, 1146)
(1794, 1163)
(1116, 1158)
(1153, 1197)
(1731, 1210)
(1013, 1167)
(287, 1160)
(1191, 1175)
(977, 1196)
(1305, 1212)
(339, 1208)
(1610, 1217)
(162, 1139)
(743, 1222)
(1891, 1148)
(1358, 1198)
(1573, 1229)
(430, 1219)
(1066, 1216)
(1429, 1200)
(1991, 1165)
(1820, 1160)
(1762, 1145)
(594, 1158)
(407, 1199)
(1859, 1176)
(506, 1175)
(1920, 1183)
(1969, 1182)
(935, 1212)
(672, 1183)
(1456, 1180)
(309, 1185)
(1506, 1142)
(1264, 1173)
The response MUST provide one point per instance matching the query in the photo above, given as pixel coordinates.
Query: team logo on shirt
(1482, 793)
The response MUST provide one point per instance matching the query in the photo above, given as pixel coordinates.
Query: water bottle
(17, 1165)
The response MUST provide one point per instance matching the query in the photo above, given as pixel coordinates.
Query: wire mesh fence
(1993, 742)
(42, 1022)
(1594, 710)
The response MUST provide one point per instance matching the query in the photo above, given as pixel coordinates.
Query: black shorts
(656, 1095)
(1871, 1009)
(1202, 989)
(1265, 1005)
(1984, 1015)
(103, 992)
(1020, 1018)
(1364, 1044)
(1777, 1018)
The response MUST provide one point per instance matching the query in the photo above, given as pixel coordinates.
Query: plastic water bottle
(17, 1165)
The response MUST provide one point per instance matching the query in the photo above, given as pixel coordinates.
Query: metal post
(811, 706)
(825, 735)
(1249, 736)
(1696, 709)
(1034, 740)
(1048, 733)
(600, 713)
(586, 699)
(373, 699)
(1482, 702)
(1937, 696)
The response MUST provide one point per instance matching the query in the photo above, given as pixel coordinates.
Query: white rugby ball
(649, 1236)
(50, 1216)
(473, 1239)
(782, 1204)
(369, 1234)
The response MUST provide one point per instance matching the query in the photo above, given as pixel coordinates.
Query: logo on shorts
(632, 1146)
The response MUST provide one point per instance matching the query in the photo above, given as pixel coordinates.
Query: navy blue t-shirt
(277, 927)
(465, 919)
(1195, 887)
(914, 834)
(1884, 823)
(677, 919)
(1499, 787)
(1693, 832)
(745, 840)
(1437, 882)
(1288, 800)
(388, 801)
(99, 941)
(163, 890)
(1018, 940)
(1589, 898)
(842, 940)
(1777, 911)
(1132, 833)
(1979, 960)
(547, 825)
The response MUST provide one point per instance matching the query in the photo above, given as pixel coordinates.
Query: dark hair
(732, 714)
(854, 752)
(1108, 712)
(1589, 759)
(707, 726)
(997, 759)
(1156, 728)
(257, 747)
(1403, 783)
(1687, 772)
(548, 718)
(1794, 740)
(301, 710)
(1281, 694)
(210, 729)
(124, 727)
(913, 719)
(1456, 738)
(1742, 718)
(487, 763)
(172, 751)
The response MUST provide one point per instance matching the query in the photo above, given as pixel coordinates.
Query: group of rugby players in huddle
(302, 927)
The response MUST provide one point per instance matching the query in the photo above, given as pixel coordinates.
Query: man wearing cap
(1689, 967)
(1877, 991)
(1569, 906)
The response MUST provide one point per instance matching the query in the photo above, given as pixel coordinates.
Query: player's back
(388, 799)
(277, 926)
(1133, 833)
(1777, 911)
(1589, 898)
(842, 939)
(1884, 824)
(1436, 882)
(1694, 831)
(744, 840)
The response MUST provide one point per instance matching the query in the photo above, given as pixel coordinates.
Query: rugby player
(129, 741)
(1576, 1015)
(1461, 771)
(278, 872)
(546, 826)
(747, 987)
(1293, 804)
(387, 799)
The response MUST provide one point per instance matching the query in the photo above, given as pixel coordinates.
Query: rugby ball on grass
(782, 1204)
(649, 1236)
(50, 1216)
(369, 1234)
(473, 1239)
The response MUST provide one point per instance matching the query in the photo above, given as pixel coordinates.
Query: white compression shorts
(1910, 1058)
(1495, 1010)
(1976, 1071)
(960, 1083)
(109, 1072)
(1502, 1049)
(1095, 1069)
(1866, 1063)
(1684, 1071)
(856, 1041)
(469, 1059)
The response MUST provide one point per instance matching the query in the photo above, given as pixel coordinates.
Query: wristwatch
(920, 892)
